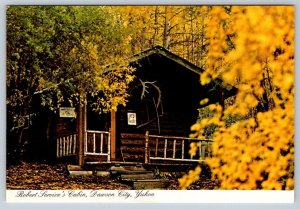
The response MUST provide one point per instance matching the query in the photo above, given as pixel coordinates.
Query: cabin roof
(160, 54)
(161, 51)
(156, 56)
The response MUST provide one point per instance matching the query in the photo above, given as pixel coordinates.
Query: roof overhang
(161, 51)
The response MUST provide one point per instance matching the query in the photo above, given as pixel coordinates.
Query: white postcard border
(148, 196)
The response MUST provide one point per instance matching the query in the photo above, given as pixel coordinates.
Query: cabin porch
(134, 149)
(142, 157)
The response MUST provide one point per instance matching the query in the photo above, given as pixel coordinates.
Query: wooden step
(144, 181)
(137, 176)
(135, 169)
(152, 184)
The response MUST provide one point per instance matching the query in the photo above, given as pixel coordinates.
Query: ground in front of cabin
(42, 176)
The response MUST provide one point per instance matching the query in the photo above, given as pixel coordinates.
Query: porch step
(137, 177)
(144, 181)
(155, 184)
(128, 169)
(134, 175)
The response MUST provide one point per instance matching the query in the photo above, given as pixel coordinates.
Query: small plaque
(67, 112)
(131, 118)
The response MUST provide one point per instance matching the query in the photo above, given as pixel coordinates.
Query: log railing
(174, 148)
(66, 145)
(97, 143)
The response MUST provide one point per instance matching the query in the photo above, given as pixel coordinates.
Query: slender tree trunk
(155, 34)
(166, 35)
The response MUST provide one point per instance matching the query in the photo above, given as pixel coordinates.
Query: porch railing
(174, 148)
(66, 145)
(97, 143)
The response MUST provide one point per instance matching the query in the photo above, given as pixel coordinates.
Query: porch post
(81, 128)
(147, 147)
(113, 132)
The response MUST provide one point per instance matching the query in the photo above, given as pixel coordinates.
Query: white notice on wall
(67, 112)
(131, 118)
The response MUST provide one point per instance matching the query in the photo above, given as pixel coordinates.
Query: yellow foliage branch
(258, 151)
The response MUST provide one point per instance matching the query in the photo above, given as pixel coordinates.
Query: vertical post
(147, 147)
(165, 148)
(86, 144)
(85, 125)
(156, 146)
(60, 147)
(200, 149)
(57, 147)
(67, 145)
(113, 133)
(64, 146)
(204, 144)
(80, 125)
(174, 148)
(70, 144)
(101, 142)
(108, 148)
(94, 142)
(182, 149)
(74, 147)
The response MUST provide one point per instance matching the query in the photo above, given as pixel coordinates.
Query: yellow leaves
(113, 82)
(246, 158)
(288, 82)
(255, 15)
(189, 178)
(290, 184)
(205, 78)
(193, 149)
(204, 101)
(251, 72)
(229, 77)
(251, 101)
(256, 152)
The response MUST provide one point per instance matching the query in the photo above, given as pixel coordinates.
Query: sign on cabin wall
(131, 118)
(67, 112)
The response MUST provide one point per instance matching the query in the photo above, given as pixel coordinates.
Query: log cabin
(153, 127)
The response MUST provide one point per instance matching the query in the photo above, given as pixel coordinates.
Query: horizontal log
(133, 141)
(130, 136)
(177, 137)
(137, 176)
(74, 168)
(171, 159)
(97, 132)
(81, 173)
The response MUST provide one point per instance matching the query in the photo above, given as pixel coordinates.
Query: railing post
(108, 147)
(147, 147)
(81, 130)
(165, 148)
(74, 146)
(101, 143)
(57, 147)
(174, 148)
(156, 146)
(182, 149)
(94, 142)
(64, 146)
(203, 144)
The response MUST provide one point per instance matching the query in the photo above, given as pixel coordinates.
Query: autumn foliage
(251, 48)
